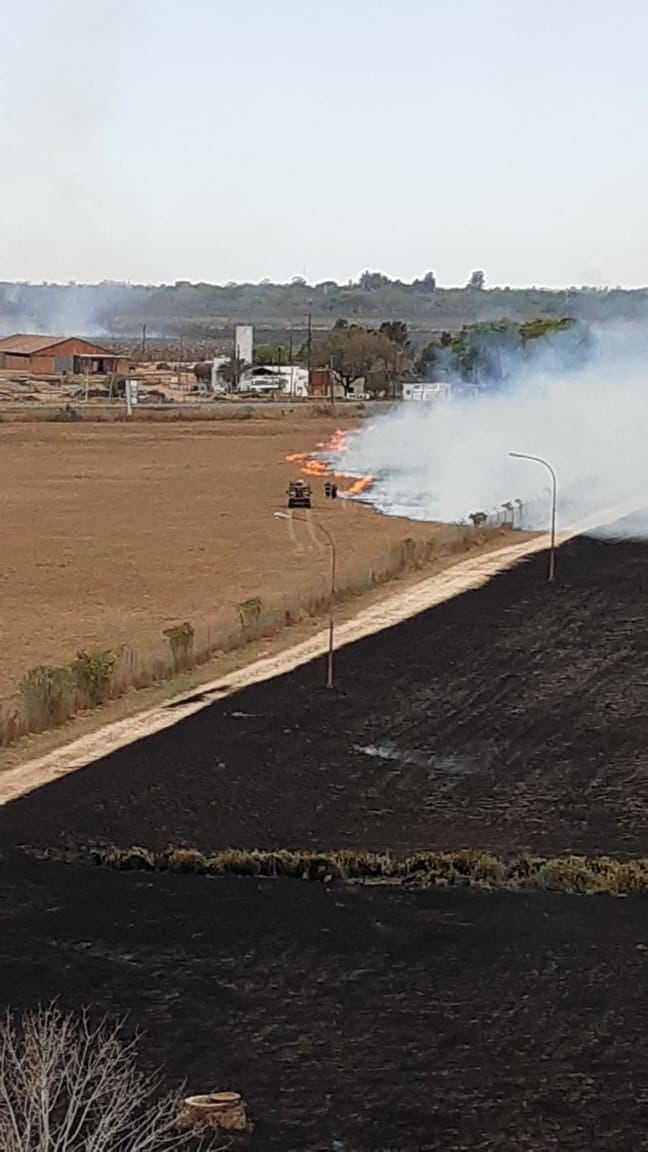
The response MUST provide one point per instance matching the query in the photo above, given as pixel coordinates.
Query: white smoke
(67, 309)
(443, 462)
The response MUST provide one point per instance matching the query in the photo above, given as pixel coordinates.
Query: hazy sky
(156, 140)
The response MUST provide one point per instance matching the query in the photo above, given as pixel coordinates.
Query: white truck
(428, 391)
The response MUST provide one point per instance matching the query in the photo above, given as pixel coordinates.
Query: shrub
(181, 640)
(571, 874)
(67, 415)
(468, 869)
(93, 673)
(185, 860)
(408, 552)
(47, 696)
(125, 859)
(250, 616)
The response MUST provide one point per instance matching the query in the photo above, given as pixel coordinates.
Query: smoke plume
(88, 310)
(444, 462)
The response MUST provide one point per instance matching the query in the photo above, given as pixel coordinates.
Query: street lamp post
(554, 487)
(331, 543)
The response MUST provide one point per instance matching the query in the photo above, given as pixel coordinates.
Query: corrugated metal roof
(22, 344)
(25, 344)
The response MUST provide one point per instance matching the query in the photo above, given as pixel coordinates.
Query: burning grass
(481, 871)
(319, 462)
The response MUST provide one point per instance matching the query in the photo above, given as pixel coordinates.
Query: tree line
(208, 311)
(482, 354)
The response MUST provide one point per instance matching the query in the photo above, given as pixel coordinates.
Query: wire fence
(48, 696)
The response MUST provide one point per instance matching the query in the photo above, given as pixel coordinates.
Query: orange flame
(313, 465)
(316, 468)
(359, 486)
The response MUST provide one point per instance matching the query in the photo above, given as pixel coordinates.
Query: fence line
(49, 696)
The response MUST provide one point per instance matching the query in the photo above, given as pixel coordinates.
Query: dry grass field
(113, 532)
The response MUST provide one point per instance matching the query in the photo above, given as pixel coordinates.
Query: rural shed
(52, 355)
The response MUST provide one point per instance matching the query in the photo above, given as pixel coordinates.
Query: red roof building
(53, 355)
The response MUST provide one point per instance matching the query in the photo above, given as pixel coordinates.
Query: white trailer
(429, 391)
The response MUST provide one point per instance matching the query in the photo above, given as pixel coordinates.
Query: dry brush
(481, 871)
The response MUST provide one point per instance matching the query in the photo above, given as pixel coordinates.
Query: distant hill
(209, 311)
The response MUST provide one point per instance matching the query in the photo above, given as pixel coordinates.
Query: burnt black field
(513, 718)
(378, 1017)
(370, 1017)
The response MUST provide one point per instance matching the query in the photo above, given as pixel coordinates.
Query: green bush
(92, 673)
(181, 640)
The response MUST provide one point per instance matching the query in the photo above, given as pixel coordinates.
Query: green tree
(428, 358)
(477, 281)
(543, 326)
(371, 281)
(484, 350)
(396, 331)
(357, 353)
(427, 284)
(271, 354)
(231, 371)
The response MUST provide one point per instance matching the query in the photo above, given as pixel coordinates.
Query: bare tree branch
(68, 1086)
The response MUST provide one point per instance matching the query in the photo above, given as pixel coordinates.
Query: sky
(163, 140)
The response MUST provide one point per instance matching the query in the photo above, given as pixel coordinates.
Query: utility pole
(143, 341)
(235, 366)
(309, 348)
(551, 574)
(331, 383)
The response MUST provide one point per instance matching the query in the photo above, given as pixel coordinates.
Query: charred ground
(513, 718)
(378, 1018)
(510, 719)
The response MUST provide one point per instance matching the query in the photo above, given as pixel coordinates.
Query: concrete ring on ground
(213, 1101)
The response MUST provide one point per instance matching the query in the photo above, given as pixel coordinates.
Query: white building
(428, 391)
(244, 343)
(284, 380)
